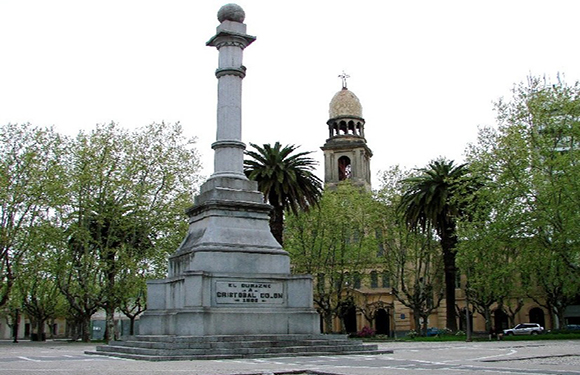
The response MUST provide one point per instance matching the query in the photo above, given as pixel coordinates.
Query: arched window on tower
(344, 168)
(343, 127)
(351, 129)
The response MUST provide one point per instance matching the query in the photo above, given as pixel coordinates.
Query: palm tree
(285, 179)
(434, 200)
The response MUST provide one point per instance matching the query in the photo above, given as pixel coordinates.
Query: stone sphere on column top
(231, 12)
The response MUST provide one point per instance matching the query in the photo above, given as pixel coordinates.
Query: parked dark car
(573, 327)
(524, 329)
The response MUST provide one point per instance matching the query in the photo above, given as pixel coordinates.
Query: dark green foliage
(286, 180)
(336, 243)
(531, 160)
(434, 200)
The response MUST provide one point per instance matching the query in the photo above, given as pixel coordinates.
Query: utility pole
(467, 315)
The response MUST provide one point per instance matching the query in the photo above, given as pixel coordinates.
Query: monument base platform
(185, 348)
(209, 304)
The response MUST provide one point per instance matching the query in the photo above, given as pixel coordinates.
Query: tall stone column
(229, 222)
(230, 40)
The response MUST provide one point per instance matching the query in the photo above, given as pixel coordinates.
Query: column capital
(231, 33)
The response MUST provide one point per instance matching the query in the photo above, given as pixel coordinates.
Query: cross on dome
(343, 76)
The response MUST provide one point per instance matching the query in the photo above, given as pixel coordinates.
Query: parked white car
(524, 329)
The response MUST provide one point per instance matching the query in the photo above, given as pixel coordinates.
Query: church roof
(345, 103)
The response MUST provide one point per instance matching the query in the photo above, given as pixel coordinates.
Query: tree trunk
(40, 330)
(16, 324)
(86, 329)
(559, 317)
(487, 316)
(450, 276)
(448, 243)
(417, 322)
(110, 324)
(327, 317)
(51, 329)
(425, 324)
(277, 224)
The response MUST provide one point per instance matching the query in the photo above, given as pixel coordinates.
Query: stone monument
(229, 292)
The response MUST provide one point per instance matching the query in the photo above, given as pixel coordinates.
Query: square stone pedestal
(199, 304)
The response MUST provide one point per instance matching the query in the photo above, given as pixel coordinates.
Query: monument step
(236, 338)
(219, 351)
(233, 344)
(309, 352)
(164, 348)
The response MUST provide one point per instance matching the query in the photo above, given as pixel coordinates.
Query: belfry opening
(344, 168)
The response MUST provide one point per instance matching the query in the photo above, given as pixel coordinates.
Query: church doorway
(500, 320)
(382, 322)
(537, 316)
(349, 318)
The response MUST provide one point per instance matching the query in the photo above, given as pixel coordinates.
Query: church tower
(346, 154)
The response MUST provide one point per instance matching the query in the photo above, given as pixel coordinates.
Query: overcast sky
(426, 72)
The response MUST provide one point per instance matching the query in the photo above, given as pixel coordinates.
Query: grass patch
(477, 337)
(544, 336)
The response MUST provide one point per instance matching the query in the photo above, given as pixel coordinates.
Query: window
(356, 280)
(386, 280)
(374, 279)
(381, 246)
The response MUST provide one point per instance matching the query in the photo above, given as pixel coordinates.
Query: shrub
(365, 332)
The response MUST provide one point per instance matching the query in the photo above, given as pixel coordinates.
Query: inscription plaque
(255, 292)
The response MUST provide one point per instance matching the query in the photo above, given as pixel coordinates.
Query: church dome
(345, 103)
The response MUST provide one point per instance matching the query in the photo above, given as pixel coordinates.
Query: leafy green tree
(490, 279)
(412, 259)
(286, 180)
(417, 281)
(12, 313)
(488, 257)
(433, 200)
(531, 160)
(336, 242)
(41, 297)
(128, 192)
(133, 296)
(80, 280)
(559, 286)
(30, 184)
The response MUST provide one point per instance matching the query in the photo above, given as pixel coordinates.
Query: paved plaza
(521, 357)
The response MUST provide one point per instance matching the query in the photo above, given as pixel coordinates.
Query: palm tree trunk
(448, 242)
(450, 274)
(277, 224)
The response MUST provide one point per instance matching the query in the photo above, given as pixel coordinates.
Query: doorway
(382, 322)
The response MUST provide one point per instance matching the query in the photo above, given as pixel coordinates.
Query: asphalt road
(409, 358)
